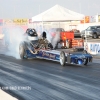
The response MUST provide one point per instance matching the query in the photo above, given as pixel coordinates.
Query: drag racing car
(35, 49)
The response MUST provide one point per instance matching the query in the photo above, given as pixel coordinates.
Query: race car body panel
(54, 55)
(46, 54)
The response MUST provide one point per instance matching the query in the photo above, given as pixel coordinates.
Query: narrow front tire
(62, 58)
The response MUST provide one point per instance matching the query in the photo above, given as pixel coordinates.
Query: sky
(10, 9)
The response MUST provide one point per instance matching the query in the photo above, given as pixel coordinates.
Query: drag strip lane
(49, 80)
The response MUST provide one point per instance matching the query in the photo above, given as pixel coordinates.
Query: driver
(43, 40)
(35, 43)
(44, 43)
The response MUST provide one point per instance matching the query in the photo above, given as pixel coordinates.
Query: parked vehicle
(91, 31)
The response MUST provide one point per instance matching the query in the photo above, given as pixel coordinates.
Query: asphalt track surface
(37, 79)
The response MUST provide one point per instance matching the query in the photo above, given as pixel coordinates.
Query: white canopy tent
(57, 13)
(55, 17)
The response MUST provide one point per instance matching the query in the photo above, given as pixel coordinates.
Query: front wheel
(95, 36)
(62, 58)
(86, 61)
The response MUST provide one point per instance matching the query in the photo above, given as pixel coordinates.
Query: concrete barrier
(5, 96)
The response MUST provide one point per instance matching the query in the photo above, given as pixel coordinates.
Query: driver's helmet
(44, 34)
(32, 34)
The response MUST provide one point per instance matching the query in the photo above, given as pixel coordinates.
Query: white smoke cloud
(12, 37)
(55, 39)
(53, 36)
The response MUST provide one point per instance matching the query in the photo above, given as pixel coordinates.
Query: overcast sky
(28, 8)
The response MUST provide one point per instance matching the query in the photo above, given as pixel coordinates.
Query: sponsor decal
(20, 21)
(92, 48)
(48, 55)
(95, 47)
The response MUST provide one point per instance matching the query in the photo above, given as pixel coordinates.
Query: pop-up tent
(57, 13)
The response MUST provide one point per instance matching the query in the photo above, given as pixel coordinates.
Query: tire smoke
(12, 38)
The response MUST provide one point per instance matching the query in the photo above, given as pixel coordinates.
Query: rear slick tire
(22, 51)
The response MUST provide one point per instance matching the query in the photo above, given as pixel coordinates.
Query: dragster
(44, 50)
(59, 56)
